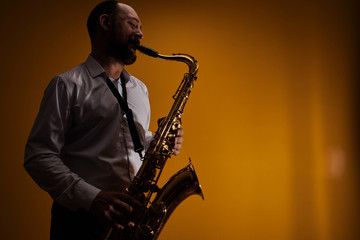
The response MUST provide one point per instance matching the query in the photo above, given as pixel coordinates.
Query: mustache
(135, 42)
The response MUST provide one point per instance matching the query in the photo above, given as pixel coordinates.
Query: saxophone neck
(185, 58)
(180, 57)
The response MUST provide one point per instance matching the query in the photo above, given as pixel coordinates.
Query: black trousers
(79, 225)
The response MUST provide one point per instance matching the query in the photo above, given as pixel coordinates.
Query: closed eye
(133, 25)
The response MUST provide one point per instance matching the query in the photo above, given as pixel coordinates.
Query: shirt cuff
(85, 194)
(81, 195)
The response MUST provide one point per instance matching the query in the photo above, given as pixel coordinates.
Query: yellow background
(271, 124)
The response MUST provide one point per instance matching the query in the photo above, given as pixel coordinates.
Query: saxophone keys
(176, 125)
(145, 232)
(158, 210)
(154, 188)
(171, 135)
(166, 147)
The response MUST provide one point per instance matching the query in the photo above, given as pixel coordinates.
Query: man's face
(126, 33)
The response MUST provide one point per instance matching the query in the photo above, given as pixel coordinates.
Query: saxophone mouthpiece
(148, 51)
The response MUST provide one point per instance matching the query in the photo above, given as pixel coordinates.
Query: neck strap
(138, 147)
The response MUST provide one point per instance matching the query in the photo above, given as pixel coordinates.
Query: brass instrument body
(181, 185)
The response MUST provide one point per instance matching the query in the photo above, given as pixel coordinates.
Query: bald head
(126, 10)
(111, 8)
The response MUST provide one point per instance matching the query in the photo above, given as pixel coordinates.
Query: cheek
(118, 32)
(122, 36)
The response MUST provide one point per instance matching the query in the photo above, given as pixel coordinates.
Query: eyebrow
(134, 18)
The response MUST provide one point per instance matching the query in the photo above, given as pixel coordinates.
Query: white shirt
(80, 142)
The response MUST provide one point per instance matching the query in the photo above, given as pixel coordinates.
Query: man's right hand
(117, 208)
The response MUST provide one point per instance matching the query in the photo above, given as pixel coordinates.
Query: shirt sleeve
(43, 159)
(148, 138)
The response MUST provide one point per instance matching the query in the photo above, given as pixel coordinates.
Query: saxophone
(159, 203)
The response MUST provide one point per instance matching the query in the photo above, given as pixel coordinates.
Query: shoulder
(71, 79)
(74, 75)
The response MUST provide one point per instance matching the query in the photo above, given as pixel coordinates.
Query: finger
(111, 216)
(122, 207)
(179, 140)
(118, 226)
(177, 146)
(131, 201)
(118, 219)
(107, 215)
(131, 224)
(180, 132)
(176, 152)
(121, 223)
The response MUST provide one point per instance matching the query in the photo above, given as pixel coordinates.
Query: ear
(105, 22)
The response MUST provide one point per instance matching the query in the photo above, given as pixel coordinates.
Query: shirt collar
(125, 75)
(95, 69)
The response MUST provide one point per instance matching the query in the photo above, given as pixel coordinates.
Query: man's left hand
(178, 140)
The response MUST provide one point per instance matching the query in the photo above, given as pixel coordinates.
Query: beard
(122, 52)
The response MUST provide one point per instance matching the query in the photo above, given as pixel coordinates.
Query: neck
(112, 67)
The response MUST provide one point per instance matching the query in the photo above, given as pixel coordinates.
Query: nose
(139, 34)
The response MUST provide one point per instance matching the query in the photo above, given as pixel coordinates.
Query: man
(80, 149)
